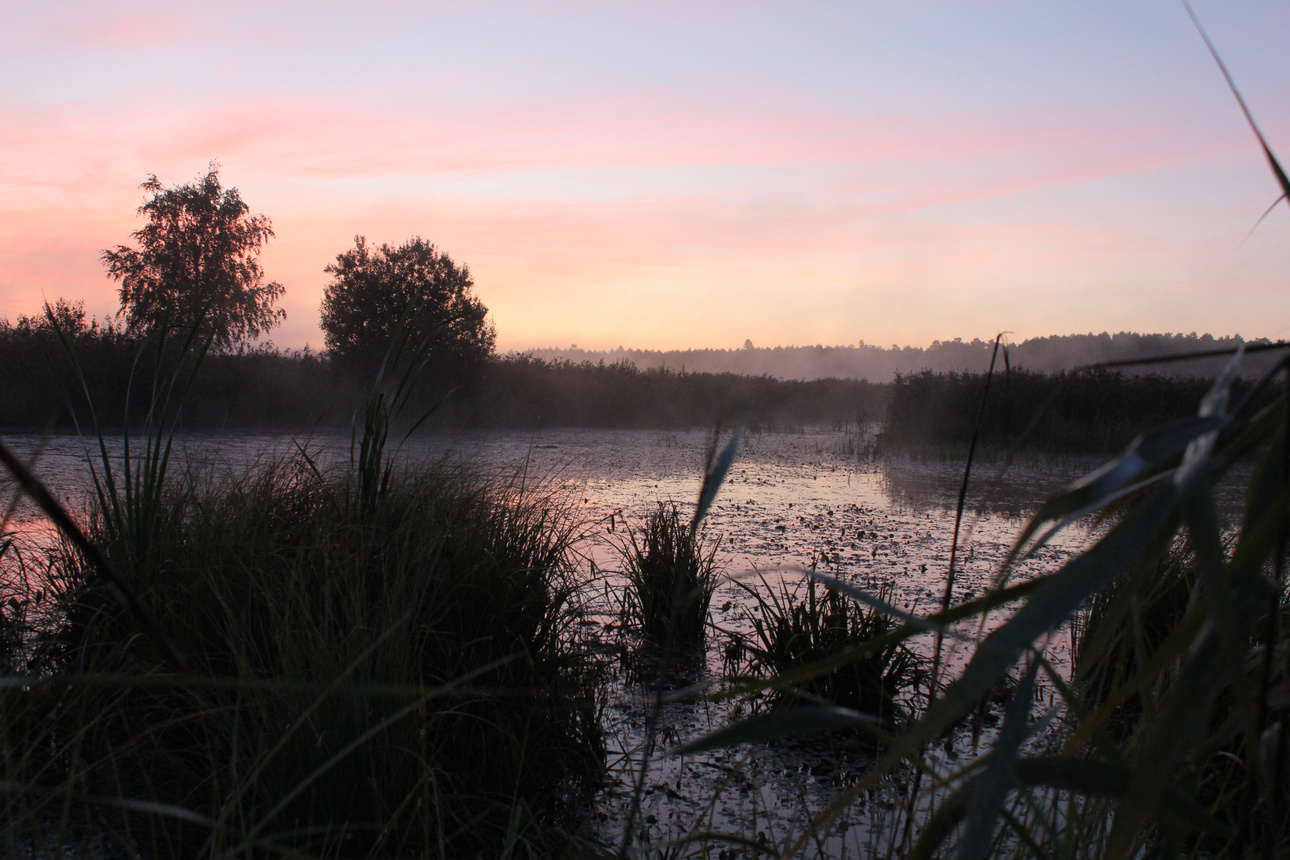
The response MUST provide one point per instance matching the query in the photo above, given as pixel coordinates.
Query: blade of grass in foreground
(714, 474)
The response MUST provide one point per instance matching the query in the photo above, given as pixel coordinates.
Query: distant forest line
(193, 271)
(94, 374)
(925, 411)
(882, 364)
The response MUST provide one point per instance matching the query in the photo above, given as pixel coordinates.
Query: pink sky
(679, 175)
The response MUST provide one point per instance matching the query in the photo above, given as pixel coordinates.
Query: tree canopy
(372, 288)
(197, 261)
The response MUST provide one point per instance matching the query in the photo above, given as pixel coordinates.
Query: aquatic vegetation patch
(671, 571)
(806, 631)
(363, 680)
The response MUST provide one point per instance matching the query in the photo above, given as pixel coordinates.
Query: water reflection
(1012, 490)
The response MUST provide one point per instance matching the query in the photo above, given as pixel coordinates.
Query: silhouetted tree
(371, 289)
(197, 260)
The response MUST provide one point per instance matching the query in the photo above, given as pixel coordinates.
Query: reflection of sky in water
(790, 500)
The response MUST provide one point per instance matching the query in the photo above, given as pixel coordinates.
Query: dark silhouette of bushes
(272, 391)
(38, 370)
(1093, 411)
(267, 389)
(520, 391)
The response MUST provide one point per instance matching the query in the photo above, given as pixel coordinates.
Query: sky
(670, 175)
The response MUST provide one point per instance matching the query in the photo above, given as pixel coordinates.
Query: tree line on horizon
(194, 272)
(300, 391)
(1051, 354)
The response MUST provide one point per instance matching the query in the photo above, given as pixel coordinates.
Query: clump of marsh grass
(1123, 625)
(365, 681)
(818, 636)
(716, 467)
(672, 572)
(1130, 632)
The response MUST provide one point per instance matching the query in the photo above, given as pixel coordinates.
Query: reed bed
(671, 570)
(521, 391)
(387, 680)
(301, 390)
(799, 627)
(1094, 411)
